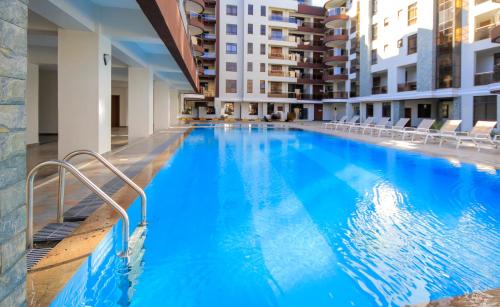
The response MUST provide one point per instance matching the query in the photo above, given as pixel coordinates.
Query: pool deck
(51, 274)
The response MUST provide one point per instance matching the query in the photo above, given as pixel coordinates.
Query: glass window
(230, 86)
(262, 29)
(231, 48)
(374, 32)
(374, 7)
(263, 10)
(250, 66)
(231, 10)
(250, 28)
(250, 48)
(262, 67)
(485, 108)
(369, 110)
(386, 110)
(250, 87)
(386, 21)
(412, 14)
(229, 108)
(263, 49)
(253, 108)
(412, 44)
(231, 66)
(262, 86)
(270, 108)
(374, 56)
(231, 29)
(424, 111)
(250, 9)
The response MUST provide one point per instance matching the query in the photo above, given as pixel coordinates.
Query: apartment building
(410, 58)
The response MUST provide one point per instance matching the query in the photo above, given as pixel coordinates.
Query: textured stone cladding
(13, 66)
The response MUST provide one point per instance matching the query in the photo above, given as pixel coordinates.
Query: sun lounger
(347, 124)
(382, 123)
(361, 126)
(448, 128)
(333, 123)
(480, 133)
(399, 127)
(422, 128)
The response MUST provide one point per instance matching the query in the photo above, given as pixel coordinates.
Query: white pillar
(84, 91)
(161, 105)
(32, 104)
(466, 112)
(140, 102)
(174, 107)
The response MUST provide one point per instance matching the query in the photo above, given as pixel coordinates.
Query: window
(369, 110)
(374, 32)
(229, 108)
(400, 43)
(250, 28)
(424, 111)
(230, 86)
(374, 7)
(250, 66)
(270, 108)
(250, 9)
(231, 29)
(250, 87)
(262, 30)
(262, 86)
(231, 66)
(263, 11)
(250, 48)
(263, 49)
(231, 48)
(386, 47)
(231, 10)
(412, 44)
(386, 21)
(253, 108)
(374, 56)
(262, 67)
(485, 108)
(386, 110)
(412, 14)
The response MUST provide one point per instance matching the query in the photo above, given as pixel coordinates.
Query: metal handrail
(86, 181)
(111, 167)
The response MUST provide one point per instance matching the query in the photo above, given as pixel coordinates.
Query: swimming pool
(267, 216)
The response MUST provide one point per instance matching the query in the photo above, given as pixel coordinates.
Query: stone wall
(13, 52)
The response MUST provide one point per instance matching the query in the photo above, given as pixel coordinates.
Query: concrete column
(161, 101)
(174, 107)
(362, 112)
(463, 108)
(377, 110)
(140, 102)
(32, 104)
(397, 110)
(349, 110)
(84, 91)
(13, 46)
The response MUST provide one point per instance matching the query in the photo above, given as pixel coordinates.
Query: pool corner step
(33, 256)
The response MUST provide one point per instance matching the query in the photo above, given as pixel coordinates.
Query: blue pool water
(277, 217)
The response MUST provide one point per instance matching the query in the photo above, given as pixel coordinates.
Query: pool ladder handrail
(111, 167)
(87, 182)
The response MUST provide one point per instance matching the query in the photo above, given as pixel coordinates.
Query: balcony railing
(209, 36)
(310, 26)
(281, 56)
(408, 86)
(336, 52)
(335, 95)
(336, 11)
(483, 32)
(208, 55)
(283, 19)
(295, 95)
(282, 38)
(207, 93)
(208, 72)
(380, 89)
(487, 77)
(301, 96)
(484, 1)
(282, 73)
(276, 94)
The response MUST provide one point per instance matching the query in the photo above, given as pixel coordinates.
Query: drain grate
(33, 256)
(55, 232)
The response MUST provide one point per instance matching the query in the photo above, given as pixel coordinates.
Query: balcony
(280, 18)
(335, 57)
(484, 1)
(312, 27)
(197, 50)
(484, 32)
(209, 36)
(281, 56)
(310, 79)
(336, 17)
(276, 94)
(195, 6)
(207, 73)
(301, 96)
(311, 45)
(208, 56)
(209, 18)
(195, 24)
(208, 93)
(335, 95)
(334, 3)
(308, 62)
(336, 38)
(495, 35)
(380, 89)
(336, 74)
(487, 77)
(408, 86)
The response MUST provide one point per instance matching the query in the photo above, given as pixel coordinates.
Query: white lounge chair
(399, 127)
(480, 133)
(335, 122)
(448, 128)
(423, 128)
(382, 123)
(347, 124)
(361, 126)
